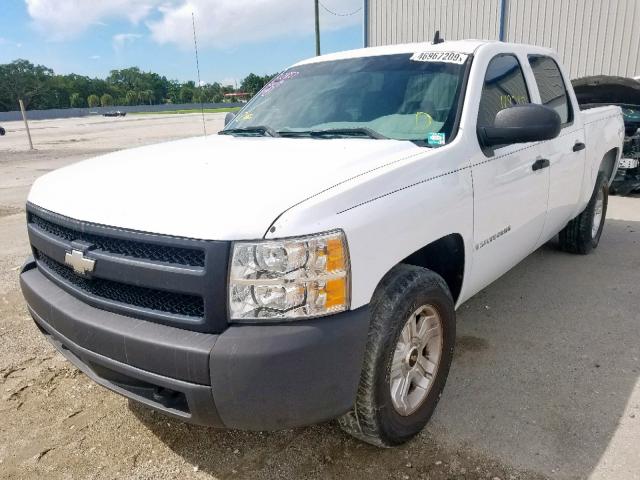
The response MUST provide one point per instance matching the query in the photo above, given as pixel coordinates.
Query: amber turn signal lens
(335, 255)
(336, 291)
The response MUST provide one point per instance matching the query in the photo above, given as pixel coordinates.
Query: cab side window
(504, 86)
(553, 91)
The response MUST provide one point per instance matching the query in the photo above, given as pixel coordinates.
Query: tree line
(40, 88)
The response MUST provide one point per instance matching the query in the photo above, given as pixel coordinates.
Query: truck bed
(602, 127)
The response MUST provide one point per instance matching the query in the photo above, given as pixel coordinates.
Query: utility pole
(317, 27)
(26, 124)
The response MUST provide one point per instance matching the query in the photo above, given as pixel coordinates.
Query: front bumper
(250, 377)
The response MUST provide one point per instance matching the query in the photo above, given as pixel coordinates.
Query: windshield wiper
(256, 129)
(347, 132)
(334, 132)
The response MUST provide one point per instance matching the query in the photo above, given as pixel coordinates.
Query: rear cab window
(551, 85)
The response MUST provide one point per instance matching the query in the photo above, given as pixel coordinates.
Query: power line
(317, 18)
(195, 44)
(339, 14)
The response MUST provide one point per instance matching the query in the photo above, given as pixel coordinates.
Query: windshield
(389, 96)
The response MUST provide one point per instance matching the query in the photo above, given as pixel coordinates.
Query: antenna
(195, 45)
(437, 39)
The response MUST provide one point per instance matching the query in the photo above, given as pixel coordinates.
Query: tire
(582, 234)
(2, 131)
(404, 291)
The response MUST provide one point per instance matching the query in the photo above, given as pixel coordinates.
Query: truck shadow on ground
(546, 361)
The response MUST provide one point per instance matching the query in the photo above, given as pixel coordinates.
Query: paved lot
(545, 382)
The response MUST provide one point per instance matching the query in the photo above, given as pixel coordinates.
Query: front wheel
(407, 359)
(582, 234)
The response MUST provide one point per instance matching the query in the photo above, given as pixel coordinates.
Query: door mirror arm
(228, 118)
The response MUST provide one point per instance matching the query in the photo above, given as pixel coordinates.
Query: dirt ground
(545, 382)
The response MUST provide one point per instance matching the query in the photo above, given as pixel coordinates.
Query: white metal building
(593, 37)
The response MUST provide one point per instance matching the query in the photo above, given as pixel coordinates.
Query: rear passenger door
(510, 198)
(566, 153)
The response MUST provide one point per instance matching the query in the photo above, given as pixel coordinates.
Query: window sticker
(443, 57)
(246, 116)
(436, 139)
(277, 82)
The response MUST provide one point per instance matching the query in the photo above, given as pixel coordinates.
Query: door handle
(540, 164)
(579, 146)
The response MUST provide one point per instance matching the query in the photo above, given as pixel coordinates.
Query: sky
(235, 37)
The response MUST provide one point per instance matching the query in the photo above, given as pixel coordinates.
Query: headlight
(290, 278)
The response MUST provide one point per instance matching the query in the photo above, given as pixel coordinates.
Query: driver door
(510, 193)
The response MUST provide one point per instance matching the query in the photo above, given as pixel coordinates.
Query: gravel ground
(544, 384)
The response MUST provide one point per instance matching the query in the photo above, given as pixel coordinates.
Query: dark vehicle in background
(624, 92)
(116, 113)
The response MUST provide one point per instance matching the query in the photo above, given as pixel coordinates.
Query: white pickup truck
(305, 264)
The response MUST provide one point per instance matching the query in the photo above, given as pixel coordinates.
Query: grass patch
(192, 110)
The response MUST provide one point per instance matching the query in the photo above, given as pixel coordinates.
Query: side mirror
(521, 124)
(228, 118)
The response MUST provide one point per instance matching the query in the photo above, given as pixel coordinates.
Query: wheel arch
(608, 163)
(446, 257)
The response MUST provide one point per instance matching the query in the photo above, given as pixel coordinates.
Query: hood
(216, 187)
(607, 90)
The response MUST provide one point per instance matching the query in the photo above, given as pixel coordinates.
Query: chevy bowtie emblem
(81, 264)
